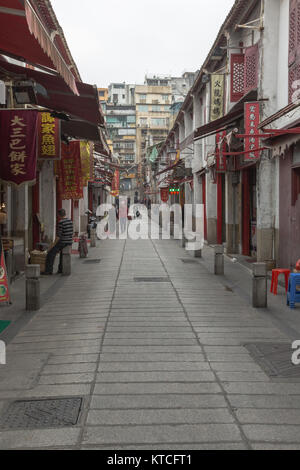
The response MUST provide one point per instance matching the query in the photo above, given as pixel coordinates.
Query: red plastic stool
(274, 283)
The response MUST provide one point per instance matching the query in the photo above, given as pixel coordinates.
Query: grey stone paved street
(160, 365)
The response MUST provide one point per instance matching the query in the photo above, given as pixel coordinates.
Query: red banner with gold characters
(252, 120)
(4, 291)
(48, 137)
(115, 185)
(164, 194)
(69, 171)
(18, 146)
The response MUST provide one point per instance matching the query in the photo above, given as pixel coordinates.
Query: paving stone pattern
(159, 365)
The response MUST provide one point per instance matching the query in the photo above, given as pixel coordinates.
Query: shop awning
(170, 167)
(224, 122)
(218, 125)
(23, 35)
(81, 130)
(53, 93)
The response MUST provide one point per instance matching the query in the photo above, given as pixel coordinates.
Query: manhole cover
(188, 261)
(41, 413)
(92, 261)
(151, 279)
(274, 359)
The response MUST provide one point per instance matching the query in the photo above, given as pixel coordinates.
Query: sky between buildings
(122, 40)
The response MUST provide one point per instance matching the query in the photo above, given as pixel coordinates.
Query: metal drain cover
(38, 414)
(92, 261)
(151, 279)
(274, 359)
(188, 261)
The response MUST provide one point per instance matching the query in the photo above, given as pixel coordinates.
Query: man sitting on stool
(65, 238)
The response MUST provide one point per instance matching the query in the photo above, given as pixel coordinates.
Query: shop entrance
(249, 212)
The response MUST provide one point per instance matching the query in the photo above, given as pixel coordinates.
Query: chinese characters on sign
(221, 161)
(164, 194)
(69, 172)
(18, 146)
(48, 137)
(86, 156)
(251, 127)
(217, 96)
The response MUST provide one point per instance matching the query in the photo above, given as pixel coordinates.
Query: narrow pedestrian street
(149, 228)
(159, 365)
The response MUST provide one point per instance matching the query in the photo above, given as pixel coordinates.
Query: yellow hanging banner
(85, 156)
(217, 96)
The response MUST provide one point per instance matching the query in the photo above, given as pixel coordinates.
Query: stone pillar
(48, 200)
(265, 211)
(259, 285)
(33, 295)
(66, 204)
(219, 260)
(66, 261)
(22, 218)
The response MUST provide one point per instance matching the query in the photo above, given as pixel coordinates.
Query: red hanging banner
(48, 137)
(18, 146)
(69, 172)
(252, 120)
(115, 185)
(4, 291)
(164, 194)
(221, 162)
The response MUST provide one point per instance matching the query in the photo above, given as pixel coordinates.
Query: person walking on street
(65, 238)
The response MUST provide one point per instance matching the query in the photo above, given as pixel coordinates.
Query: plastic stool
(293, 295)
(274, 283)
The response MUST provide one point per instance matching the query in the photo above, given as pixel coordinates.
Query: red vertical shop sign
(251, 129)
(164, 194)
(18, 146)
(221, 162)
(69, 172)
(115, 185)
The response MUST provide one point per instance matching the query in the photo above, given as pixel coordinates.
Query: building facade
(237, 135)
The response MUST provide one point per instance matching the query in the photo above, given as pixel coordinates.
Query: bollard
(219, 260)
(66, 261)
(93, 238)
(259, 285)
(33, 295)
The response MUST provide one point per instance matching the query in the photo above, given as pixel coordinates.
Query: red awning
(54, 94)
(23, 35)
(81, 130)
